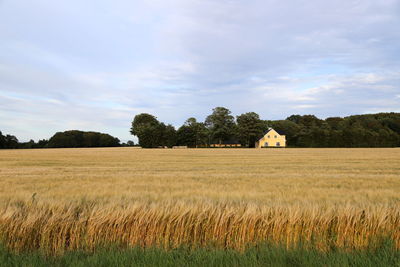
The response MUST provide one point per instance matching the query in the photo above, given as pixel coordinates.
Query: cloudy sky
(94, 64)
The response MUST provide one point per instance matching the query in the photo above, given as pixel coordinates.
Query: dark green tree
(306, 120)
(63, 139)
(335, 123)
(76, 138)
(249, 128)
(148, 130)
(106, 140)
(221, 125)
(30, 144)
(2, 141)
(11, 141)
(169, 136)
(192, 133)
(42, 143)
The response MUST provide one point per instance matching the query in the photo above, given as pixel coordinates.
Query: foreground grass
(260, 256)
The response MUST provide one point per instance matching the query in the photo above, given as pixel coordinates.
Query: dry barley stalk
(55, 229)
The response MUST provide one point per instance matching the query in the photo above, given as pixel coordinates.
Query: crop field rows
(58, 200)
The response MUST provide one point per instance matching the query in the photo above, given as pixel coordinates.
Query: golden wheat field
(57, 200)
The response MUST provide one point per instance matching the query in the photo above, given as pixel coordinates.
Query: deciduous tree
(221, 125)
(249, 128)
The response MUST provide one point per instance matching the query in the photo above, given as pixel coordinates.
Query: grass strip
(262, 255)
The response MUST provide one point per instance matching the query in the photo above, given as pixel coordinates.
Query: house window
(278, 144)
(269, 136)
(276, 136)
(266, 144)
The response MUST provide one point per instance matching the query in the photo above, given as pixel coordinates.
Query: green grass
(260, 256)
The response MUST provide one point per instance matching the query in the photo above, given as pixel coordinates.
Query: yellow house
(271, 139)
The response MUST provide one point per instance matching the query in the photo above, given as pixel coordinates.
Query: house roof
(270, 129)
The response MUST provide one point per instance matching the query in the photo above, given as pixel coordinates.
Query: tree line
(73, 138)
(221, 127)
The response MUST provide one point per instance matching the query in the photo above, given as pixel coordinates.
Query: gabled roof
(270, 129)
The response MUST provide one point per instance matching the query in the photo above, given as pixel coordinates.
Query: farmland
(58, 200)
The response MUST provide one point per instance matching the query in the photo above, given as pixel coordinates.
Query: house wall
(270, 138)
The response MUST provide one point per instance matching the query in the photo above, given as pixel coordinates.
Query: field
(59, 200)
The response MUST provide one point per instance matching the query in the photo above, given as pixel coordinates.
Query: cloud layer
(93, 65)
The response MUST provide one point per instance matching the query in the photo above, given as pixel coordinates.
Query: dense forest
(370, 130)
(221, 127)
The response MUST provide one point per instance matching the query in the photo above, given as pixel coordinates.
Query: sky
(95, 64)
